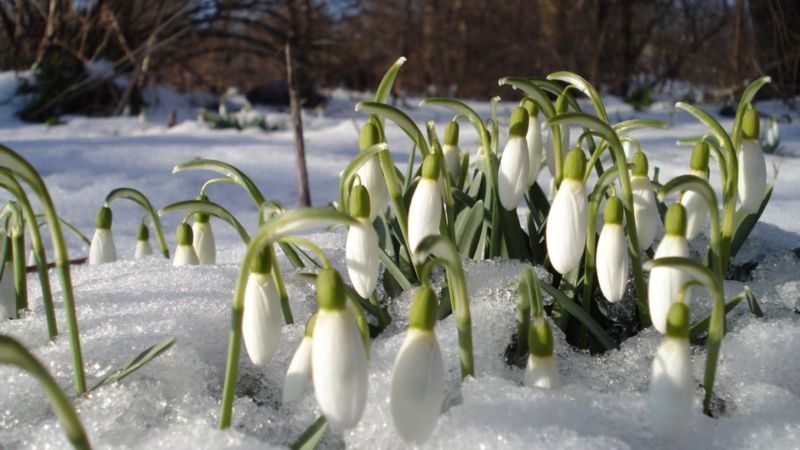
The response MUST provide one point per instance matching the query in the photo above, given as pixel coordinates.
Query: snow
(173, 402)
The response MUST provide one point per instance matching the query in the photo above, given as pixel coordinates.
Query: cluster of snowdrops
(452, 206)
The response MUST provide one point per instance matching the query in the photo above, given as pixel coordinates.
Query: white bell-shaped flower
(298, 375)
(534, 138)
(371, 174)
(143, 247)
(262, 317)
(645, 208)
(338, 357)
(566, 224)
(541, 371)
(425, 211)
(417, 391)
(203, 238)
(184, 252)
(671, 380)
(451, 151)
(102, 249)
(752, 182)
(612, 253)
(361, 249)
(512, 176)
(666, 282)
(696, 206)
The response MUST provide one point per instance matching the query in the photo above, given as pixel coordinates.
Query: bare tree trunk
(303, 193)
(737, 41)
(53, 16)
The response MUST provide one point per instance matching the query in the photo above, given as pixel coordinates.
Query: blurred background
(97, 56)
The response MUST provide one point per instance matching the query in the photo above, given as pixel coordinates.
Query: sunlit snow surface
(174, 401)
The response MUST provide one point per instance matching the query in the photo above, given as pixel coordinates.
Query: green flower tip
(424, 309)
(359, 202)
(700, 156)
(640, 166)
(430, 167)
(310, 325)
(370, 135)
(613, 212)
(103, 219)
(263, 262)
(519, 122)
(330, 290)
(540, 338)
(750, 125)
(532, 109)
(184, 234)
(201, 217)
(451, 133)
(675, 220)
(575, 164)
(143, 234)
(678, 321)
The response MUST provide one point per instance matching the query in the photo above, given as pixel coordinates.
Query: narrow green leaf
(394, 271)
(349, 172)
(210, 208)
(312, 436)
(744, 222)
(136, 363)
(42, 220)
(400, 118)
(747, 96)
(385, 87)
(585, 87)
(701, 326)
(226, 169)
(467, 224)
(141, 200)
(633, 124)
(577, 311)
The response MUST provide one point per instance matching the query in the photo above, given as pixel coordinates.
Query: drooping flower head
(370, 173)
(184, 252)
(361, 249)
(425, 211)
(143, 247)
(417, 390)
(338, 357)
(752, 181)
(298, 375)
(451, 151)
(534, 138)
(666, 282)
(262, 317)
(203, 237)
(696, 206)
(102, 250)
(566, 224)
(541, 370)
(645, 208)
(671, 380)
(513, 175)
(612, 252)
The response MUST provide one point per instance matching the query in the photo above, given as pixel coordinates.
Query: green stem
(20, 275)
(141, 200)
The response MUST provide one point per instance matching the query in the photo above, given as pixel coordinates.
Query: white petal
(372, 178)
(361, 255)
(339, 365)
(671, 388)
(696, 213)
(262, 319)
(645, 211)
(666, 282)
(425, 212)
(541, 372)
(8, 295)
(102, 249)
(612, 262)
(512, 178)
(143, 249)
(566, 226)
(417, 391)
(298, 376)
(203, 243)
(452, 157)
(535, 151)
(629, 149)
(752, 175)
(185, 256)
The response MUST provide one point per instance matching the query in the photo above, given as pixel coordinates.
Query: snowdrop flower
(184, 253)
(262, 317)
(298, 376)
(143, 247)
(452, 154)
(645, 209)
(534, 138)
(612, 253)
(203, 237)
(338, 357)
(361, 249)
(425, 211)
(417, 390)
(8, 295)
(666, 282)
(671, 380)
(371, 174)
(566, 224)
(102, 249)
(752, 181)
(696, 206)
(541, 370)
(513, 177)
